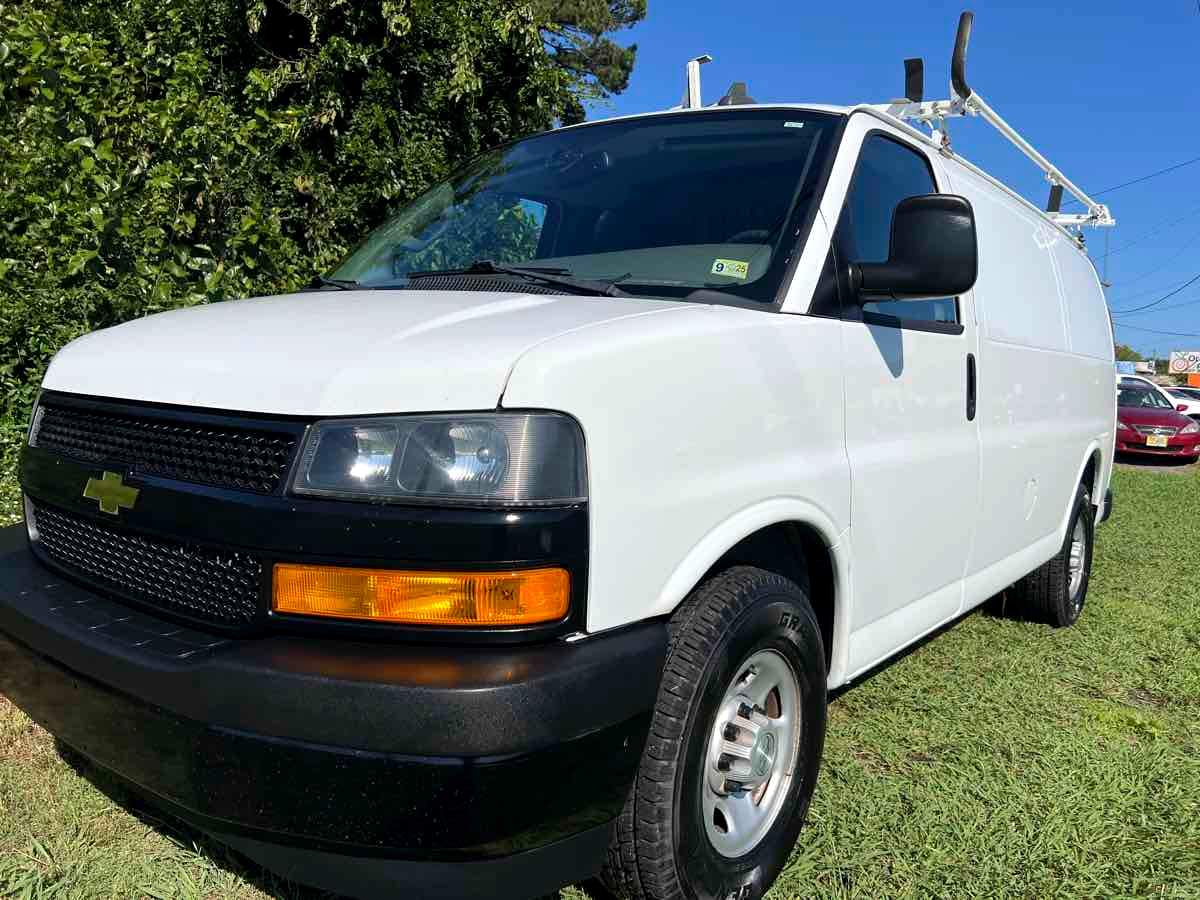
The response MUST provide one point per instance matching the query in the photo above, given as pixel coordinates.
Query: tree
(1125, 353)
(575, 34)
(161, 153)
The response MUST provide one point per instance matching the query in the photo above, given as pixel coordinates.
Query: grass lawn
(1000, 759)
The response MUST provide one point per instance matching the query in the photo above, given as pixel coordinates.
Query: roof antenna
(914, 80)
(736, 96)
(691, 100)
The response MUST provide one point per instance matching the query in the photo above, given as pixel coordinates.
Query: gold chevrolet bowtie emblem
(112, 495)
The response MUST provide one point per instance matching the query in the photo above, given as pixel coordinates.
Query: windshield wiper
(546, 275)
(342, 284)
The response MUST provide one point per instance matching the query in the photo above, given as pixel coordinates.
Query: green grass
(1001, 759)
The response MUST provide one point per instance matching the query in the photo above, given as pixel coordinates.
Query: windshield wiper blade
(342, 284)
(546, 275)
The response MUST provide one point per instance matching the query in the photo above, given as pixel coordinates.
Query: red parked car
(1146, 423)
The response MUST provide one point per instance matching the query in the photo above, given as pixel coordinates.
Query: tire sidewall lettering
(776, 622)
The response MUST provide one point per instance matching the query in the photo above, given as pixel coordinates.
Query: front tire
(1055, 592)
(734, 748)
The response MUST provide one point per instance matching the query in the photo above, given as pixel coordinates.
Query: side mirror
(933, 251)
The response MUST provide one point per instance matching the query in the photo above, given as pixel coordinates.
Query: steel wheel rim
(1076, 560)
(751, 755)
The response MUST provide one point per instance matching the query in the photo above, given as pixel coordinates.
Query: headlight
(1190, 428)
(500, 458)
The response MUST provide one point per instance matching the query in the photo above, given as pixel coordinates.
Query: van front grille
(224, 455)
(202, 584)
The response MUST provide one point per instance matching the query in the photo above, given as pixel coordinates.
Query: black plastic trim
(914, 79)
(514, 697)
(886, 321)
(1054, 203)
(803, 229)
(334, 797)
(971, 387)
(294, 426)
(335, 532)
(958, 64)
(1108, 506)
(363, 748)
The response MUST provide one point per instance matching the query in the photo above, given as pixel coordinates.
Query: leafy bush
(161, 153)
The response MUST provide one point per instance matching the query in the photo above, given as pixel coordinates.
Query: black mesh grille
(202, 584)
(242, 459)
(480, 283)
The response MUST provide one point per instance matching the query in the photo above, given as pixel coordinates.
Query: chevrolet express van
(527, 546)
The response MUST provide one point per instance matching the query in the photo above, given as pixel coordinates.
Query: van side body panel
(700, 430)
(1046, 401)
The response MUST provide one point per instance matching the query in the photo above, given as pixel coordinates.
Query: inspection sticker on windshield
(730, 268)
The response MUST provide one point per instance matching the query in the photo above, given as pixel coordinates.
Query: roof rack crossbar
(966, 102)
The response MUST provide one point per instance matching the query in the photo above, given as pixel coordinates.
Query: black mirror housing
(933, 253)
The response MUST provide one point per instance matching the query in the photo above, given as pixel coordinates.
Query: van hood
(329, 353)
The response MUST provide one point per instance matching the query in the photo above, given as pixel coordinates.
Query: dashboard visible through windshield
(681, 205)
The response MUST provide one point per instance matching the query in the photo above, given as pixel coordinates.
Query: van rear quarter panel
(1046, 397)
(702, 426)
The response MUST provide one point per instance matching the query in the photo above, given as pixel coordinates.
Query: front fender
(701, 427)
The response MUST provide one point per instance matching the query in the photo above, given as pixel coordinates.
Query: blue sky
(1108, 90)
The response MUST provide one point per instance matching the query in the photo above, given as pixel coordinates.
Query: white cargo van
(530, 543)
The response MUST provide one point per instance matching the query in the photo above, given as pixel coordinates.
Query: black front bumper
(432, 771)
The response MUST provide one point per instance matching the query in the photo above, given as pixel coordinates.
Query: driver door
(912, 444)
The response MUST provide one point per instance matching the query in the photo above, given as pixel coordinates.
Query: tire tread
(641, 862)
(1042, 594)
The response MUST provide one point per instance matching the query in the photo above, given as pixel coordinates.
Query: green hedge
(156, 153)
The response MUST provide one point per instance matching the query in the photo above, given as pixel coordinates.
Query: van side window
(887, 172)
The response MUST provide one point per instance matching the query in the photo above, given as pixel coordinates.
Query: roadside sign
(1184, 362)
(1125, 367)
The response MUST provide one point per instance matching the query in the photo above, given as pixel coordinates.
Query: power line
(1160, 299)
(1136, 294)
(1126, 184)
(1161, 308)
(1155, 331)
(1158, 229)
(1166, 262)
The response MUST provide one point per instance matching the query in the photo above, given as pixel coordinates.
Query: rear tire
(702, 822)
(1054, 593)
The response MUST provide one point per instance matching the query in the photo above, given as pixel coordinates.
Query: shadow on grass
(1173, 465)
(906, 652)
(998, 606)
(184, 835)
(194, 840)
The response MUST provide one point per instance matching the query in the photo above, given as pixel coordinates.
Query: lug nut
(732, 732)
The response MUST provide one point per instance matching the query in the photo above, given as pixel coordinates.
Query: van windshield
(707, 204)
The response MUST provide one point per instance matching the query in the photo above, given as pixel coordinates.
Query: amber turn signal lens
(485, 599)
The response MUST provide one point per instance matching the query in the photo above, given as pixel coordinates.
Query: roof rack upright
(966, 102)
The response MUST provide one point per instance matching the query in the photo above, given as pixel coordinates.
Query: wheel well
(1091, 473)
(794, 550)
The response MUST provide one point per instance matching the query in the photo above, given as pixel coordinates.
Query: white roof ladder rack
(965, 102)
